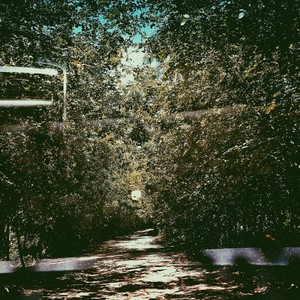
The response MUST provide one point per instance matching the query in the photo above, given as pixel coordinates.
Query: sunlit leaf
(271, 107)
(183, 22)
(242, 14)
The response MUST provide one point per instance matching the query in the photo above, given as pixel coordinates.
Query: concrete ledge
(7, 267)
(252, 256)
(51, 265)
(288, 256)
(64, 264)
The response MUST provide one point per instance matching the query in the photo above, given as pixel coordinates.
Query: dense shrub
(57, 192)
(230, 179)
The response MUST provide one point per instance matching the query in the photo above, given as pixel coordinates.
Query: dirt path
(139, 267)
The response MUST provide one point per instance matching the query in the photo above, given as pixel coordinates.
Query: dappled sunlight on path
(139, 267)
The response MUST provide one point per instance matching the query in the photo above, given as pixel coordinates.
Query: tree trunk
(20, 247)
(7, 243)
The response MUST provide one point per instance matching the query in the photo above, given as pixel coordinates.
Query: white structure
(36, 71)
(136, 195)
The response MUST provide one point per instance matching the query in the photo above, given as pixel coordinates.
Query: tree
(88, 37)
(247, 50)
(233, 169)
(229, 172)
(50, 165)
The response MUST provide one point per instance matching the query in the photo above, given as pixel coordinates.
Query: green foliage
(231, 176)
(58, 192)
(53, 177)
(230, 179)
(216, 58)
(211, 140)
(87, 37)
